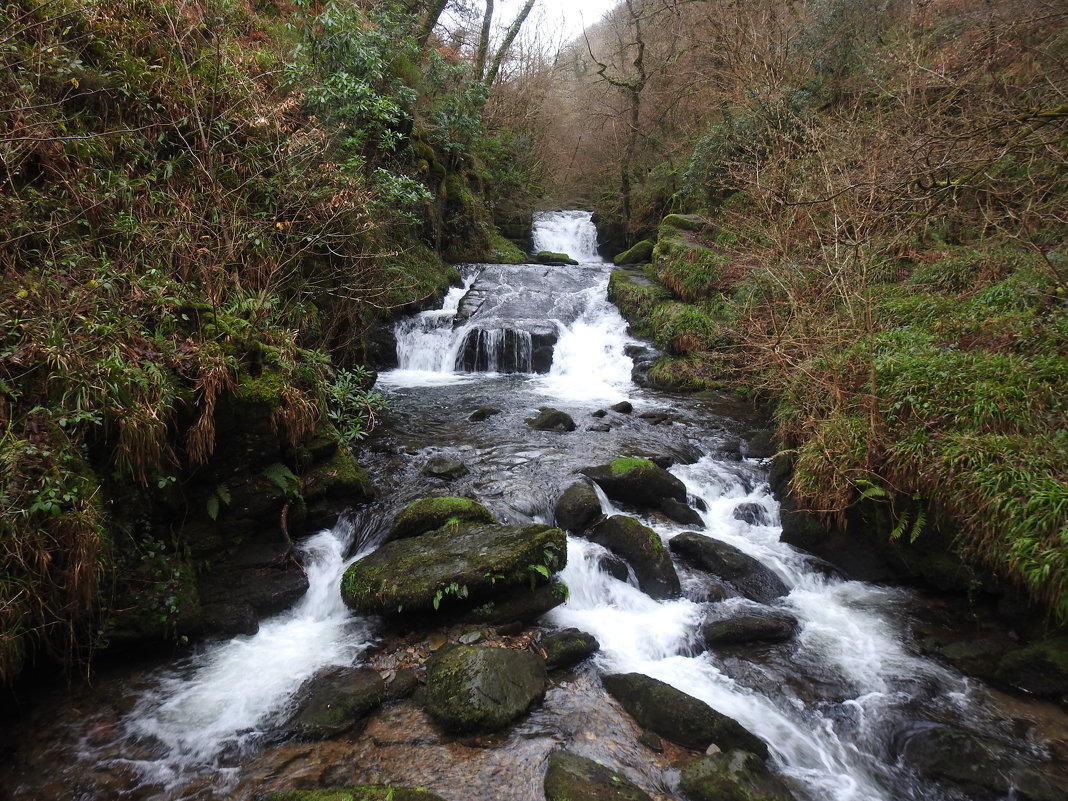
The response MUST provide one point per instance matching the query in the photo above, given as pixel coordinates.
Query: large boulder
(430, 514)
(641, 253)
(578, 508)
(644, 551)
(453, 570)
(731, 776)
(747, 625)
(334, 702)
(575, 778)
(639, 482)
(679, 717)
(549, 419)
(482, 689)
(746, 574)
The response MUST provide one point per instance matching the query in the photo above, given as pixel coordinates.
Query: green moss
(696, 372)
(549, 257)
(504, 251)
(430, 514)
(339, 477)
(626, 464)
(640, 253)
(682, 222)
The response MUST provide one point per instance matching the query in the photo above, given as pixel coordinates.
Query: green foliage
(353, 407)
(626, 464)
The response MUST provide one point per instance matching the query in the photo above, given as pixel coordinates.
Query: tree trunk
(509, 37)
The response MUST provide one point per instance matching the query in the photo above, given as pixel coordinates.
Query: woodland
(850, 213)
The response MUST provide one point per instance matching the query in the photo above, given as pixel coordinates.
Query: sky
(559, 16)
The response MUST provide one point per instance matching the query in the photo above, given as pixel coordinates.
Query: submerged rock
(578, 508)
(363, 792)
(681, 513)
(644, 551)
(639, 482)
(469, 688)
(746, 574)
(445, 467)
(334, 702)
(549, 419)
(1040, 668)
(958, 758)
(567, 647)
(453, 570)
(571, 777)
(430, 514)
(731, 776)
(679, 717)
(483, 413)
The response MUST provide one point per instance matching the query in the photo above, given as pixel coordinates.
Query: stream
(849, 708)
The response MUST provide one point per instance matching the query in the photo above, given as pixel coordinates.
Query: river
(849, 708)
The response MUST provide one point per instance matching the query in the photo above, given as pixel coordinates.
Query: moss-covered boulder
(578, 508)
(553, 259)
(644, 551)
(679, 717)
(567, 647)
(641, 253)
(453, 569)
(731, 776)
(364, 792)
(746, 574)
(570, 777)
(334, 702)
(637, 481)
(430, 514)
(549, 419)
(1040, 668)
(472, 688)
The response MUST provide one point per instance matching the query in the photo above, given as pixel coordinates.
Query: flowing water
(843, 707)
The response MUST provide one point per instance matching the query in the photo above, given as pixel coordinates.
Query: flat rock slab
(679, 717)
(453, 570)
(746, 574)
(575, 778)
(469, 688)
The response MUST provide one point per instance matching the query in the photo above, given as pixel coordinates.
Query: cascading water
(846, 707)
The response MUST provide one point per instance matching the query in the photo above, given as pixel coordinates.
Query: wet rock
(578, 508)
(623, 407)
(599, 413)
(679, 717)
(571, 777)
(600, 428)
(681, 513)
(264, 590)
(553, 259)
(334, 702)
(746, 574)
(231, 619)
(430, 514)
(445, 467)
(752, 513)
(657, 418)
(761, 445)
(749, 624)
(643, 358)
(363, 792)
(614, 566)
(644, 551)
(1030, 784)
(567, 647)
(469, 688)
(731, 776)
(958, 758)
(639, 482)
(549, 419)
(453, 571)
(652, 741)
(483, 413)
(402, 684)
(1040, 668)
(511, 605)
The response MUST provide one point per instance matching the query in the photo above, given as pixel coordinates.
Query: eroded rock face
(575, 778)
(482, 689)
(453, 570)
(746, 574)
(643, 550)
(731, 776)
(679, 717)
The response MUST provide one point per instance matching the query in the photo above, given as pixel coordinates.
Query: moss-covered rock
(637, 481)
(549, 419)
(570, 777)
(682, 222)
(1040, 668)
(644, 551)
(641, 253)
(578, 508)
(447, 569)
(731, 776)
(567, 647)
(430, 514)
(364, 792)
(679, 717)
(482, 688)
(554, 259)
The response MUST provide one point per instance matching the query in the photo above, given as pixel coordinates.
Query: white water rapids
(833, 707)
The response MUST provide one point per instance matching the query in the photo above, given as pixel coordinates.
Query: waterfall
(570, 232)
